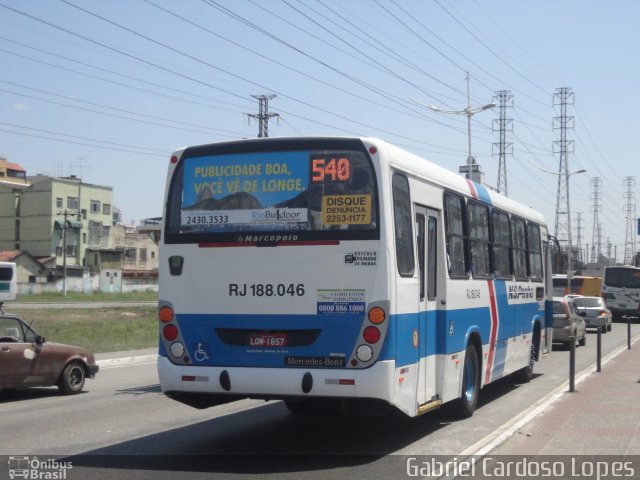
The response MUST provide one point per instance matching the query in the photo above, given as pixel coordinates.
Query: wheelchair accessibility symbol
(201, 354)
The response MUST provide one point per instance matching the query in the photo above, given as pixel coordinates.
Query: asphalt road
(125, 428)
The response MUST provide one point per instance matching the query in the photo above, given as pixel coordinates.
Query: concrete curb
(124, 361)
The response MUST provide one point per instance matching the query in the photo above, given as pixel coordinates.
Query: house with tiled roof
(12, 173)
(29, 270)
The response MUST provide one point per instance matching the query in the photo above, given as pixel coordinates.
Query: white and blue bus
(330, 272)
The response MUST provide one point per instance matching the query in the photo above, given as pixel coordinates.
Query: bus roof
(436, 174)
(410, 163)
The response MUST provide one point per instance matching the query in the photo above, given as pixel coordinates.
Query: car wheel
(583, 341)
(72, 378)
(609, 327)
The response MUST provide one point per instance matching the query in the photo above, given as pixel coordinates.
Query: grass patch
(99, 330)
(89, 297)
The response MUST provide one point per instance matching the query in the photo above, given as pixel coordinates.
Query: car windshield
(585, 302)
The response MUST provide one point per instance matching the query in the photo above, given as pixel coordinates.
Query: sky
(106, 90)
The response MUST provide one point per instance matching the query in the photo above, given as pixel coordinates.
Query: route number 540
(337, 169)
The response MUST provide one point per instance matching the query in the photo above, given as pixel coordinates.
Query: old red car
(27, 360)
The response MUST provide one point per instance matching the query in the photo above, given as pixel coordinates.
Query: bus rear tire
(464, 406)
(525, 375)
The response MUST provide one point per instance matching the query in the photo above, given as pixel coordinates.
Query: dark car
(27, 360)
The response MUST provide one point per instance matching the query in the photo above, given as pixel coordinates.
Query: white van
(8, 281)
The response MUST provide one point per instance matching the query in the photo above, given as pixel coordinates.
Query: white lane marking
(124, 361)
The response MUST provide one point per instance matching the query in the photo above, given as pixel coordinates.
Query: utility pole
(263, 116)
(65, 226)
(579, 237)
(596, 237)
(630, 211)
(502, 125)
(562, 98)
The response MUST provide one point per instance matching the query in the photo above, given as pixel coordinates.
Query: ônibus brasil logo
(36, 469)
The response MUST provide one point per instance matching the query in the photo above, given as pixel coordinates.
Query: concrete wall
(90, 284)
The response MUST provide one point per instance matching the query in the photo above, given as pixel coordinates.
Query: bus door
(427, 243)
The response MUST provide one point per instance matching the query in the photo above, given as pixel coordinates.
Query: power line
(306, 75)
(79, 143)
(150, 150)
(205, 129)
(499, 57)
(211, 65)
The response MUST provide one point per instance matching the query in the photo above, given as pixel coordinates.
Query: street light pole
(469, 115)
(566, 176)
(469, 112)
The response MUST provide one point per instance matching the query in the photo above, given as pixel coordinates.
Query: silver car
(595, 312)
(566, 320)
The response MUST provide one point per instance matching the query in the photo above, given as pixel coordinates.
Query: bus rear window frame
(172, 235)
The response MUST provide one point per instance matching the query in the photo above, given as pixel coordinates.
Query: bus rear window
(307, 194)
(622, 277)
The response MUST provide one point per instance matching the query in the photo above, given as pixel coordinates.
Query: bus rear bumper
(275, 383)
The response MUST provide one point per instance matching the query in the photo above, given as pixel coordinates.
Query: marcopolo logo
(36, 469)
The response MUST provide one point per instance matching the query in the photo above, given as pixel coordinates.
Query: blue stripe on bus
(445, 332)
(483, 193)
(338, 335)
(441, 332)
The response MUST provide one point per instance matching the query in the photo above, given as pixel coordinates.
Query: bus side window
(501, 244)
(535, 251)
(480, 240)
(456, 233)
(402, 219)
(519, 243)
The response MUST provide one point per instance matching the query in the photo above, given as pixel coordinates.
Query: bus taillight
(377, 315)
(165, 314)
(170, 332)
(371, 334)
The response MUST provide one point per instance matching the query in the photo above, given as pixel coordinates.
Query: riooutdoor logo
(36, 469)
